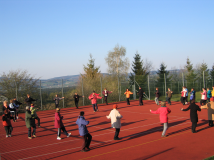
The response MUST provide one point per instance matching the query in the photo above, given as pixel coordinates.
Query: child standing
(83, 131)
(59, 124)
(105, 93)
(203, 97)
(57, 99)
(210, 110)
(76, 99)
(193, 114)
(163, 111)
(183, 95)
(115, 117)
(30, 122)
(16, 104)
(169, 96)
(12, 110)
(128, 93)
(7, 123)
(209, 95)
(157, 95)
(192, 95)
(34, 115)
(93, 97)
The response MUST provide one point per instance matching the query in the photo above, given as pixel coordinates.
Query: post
(178, 86)
(165, 83)
(134, 89)
(83, 94)
(120, 93)
(203, 79)
(183, 78)
(16, 91)
(101, 87)
(148, 87)
(118, 86)
(63, 102)
(41, 94)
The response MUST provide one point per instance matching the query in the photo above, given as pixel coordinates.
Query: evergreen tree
(212, 73)
(190, 76)
(161, 81)
(139, 71)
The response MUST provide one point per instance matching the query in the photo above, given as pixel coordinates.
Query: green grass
(210, 158)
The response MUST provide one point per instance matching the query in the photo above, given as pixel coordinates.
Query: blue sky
(52, 38)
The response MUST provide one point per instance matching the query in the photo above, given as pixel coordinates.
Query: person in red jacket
(7, 123)
(163, 111)
(93, 97)
(59, 124)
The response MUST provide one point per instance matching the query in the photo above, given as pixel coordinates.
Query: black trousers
(117, 131)
(210, 123)
(168, 100)
(127, 100)
(183, 100)
(34, 131)
(194, 125)
(186, 99)
(57, 105)
(95, 105)
(8, 129)
(76, 104)
(106, 100)
(38, 119)
(63, 129)
(203, 102)
(208, 99)
(86, 141)
(140, 100)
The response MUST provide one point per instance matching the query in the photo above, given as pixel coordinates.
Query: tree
(90, 70)
(139, 71)
(190, 76)
(212, 73)
(18, 83)
(161, 81)
(117, 62)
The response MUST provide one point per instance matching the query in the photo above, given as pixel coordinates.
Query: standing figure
(210, 110)
(30, 122)
(183, 95)
(140, 93)
(213, 92)
(193, 114)
(157, 95)
(105, 93)
(209, 95)
(7, 123)
(83, 131)
(76, 99)
(93, 97)
(115, 117)
(12, 110)
(186, 98)
(16, 104)
(169, 96)
(59, 124)
(33, 113)
(29, 100)
(203, 97)
(192, 95)
(57, 99)
(128, 93)
(163, 111)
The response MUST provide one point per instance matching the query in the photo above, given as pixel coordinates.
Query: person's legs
(88, 141)
(93, 105)
(57, 105)
(140, 101)
(165, 126)
(17, 113)
(10, 130)
(84, 138)
(187, 99)
(29, 132)
(194, 125)
(34, 131)
(117, 131)
(157, 100)
(169, 99)
(59, 132)
(7, 130)
(106, 100)
(64, 130)
(210, 123)
(76, 104)
(96, 107)
(127, 100)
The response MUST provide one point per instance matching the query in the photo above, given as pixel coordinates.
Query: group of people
(10, 111)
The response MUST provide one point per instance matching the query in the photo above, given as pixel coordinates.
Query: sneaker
(58, 138)
(34, 136)
(83, 150)
(39, 126)
(88, 149)
(163, 135)
(97, 110)
(116, 138)
(94, 111)
(29, 137)
(6, 136)
(9, 135)
(68, 134)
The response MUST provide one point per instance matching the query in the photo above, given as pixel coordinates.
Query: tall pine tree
(212, 73)
(190, 76)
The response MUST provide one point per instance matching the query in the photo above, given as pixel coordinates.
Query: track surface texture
(140, 135)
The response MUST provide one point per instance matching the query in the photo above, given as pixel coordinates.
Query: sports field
(140, 135)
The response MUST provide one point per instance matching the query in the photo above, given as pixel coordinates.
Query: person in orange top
(127, 93)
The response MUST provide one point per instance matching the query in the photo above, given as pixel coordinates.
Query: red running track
(140, 133)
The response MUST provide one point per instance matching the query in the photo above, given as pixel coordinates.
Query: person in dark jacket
(30, 122)
(16, 104)
(192, 95)
(59, 124)
(140, 93)
(29, 100)
(7, 123)
(105, 93)
(76, 99)
(83, 131)
(5, 106)
(157, 95)
(57, 99)
(193, 114)
(169, 96)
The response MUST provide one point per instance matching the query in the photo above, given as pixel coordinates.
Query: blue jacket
(192, 95)
(209, 94)
(187, 92)
(81, 122)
